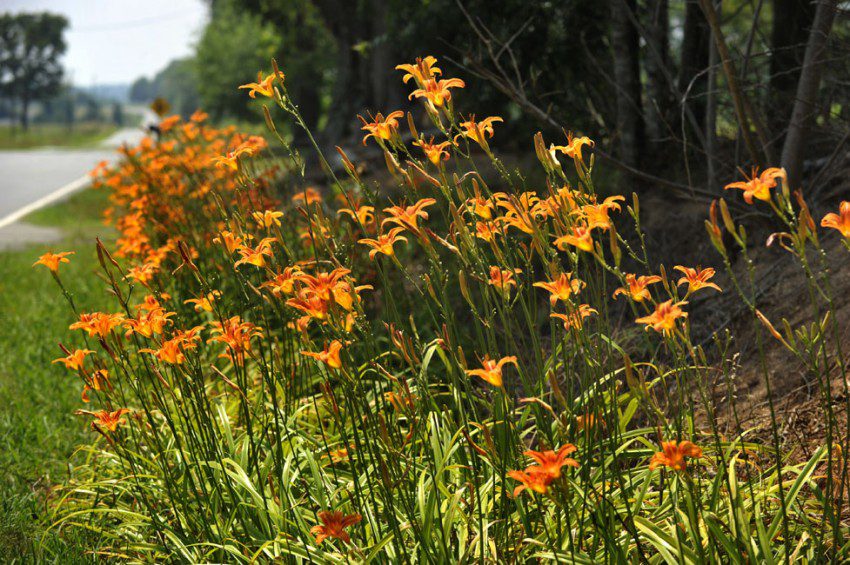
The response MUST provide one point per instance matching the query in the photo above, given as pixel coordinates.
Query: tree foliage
(31, 46)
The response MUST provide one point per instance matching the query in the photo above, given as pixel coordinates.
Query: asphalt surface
(28, 175)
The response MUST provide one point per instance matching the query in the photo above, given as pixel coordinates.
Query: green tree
(231, 47)
(30, 48)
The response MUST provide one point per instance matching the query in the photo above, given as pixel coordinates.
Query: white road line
(69, 188)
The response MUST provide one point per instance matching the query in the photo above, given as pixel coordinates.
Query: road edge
(57, 194)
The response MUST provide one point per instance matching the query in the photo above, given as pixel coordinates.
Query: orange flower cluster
(538, 477)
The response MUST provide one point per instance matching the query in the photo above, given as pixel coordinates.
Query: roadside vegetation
(55, 135)
(436, 363)
(38, 432)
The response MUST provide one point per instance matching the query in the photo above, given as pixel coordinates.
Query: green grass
(57, 135)
(38, 431)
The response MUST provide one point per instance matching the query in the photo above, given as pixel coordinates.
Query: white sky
(117, 41)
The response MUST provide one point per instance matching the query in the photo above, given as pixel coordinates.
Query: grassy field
(38, 431)
(57, 135)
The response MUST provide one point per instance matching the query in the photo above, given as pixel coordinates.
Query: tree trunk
(693, 81)
(659, 114)
(342, 19)
(625, 50)
(25, 111)
(711, 111)
(792, 20)
(807, 91)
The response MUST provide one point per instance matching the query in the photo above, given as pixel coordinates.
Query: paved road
(28, 175)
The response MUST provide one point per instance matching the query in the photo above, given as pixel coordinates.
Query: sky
(117, 41)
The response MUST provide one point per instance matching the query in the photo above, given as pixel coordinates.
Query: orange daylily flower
(574, 146)
(109, 420)
(550, 462)
(408, 217)
(263, 86)
(52, 260)
(151, 302)
(98, 380)
(840, 221)
(532, 479)
(580, 238)
(503, 279)
(312, 305)
(173, 351)
(256, 255)
(437, 91)
(150, 323)
(596, 215)
(575, 319)
(384, 243)
(97, 323)
(491, 371)
(365, 215)
(487, 230)
(636, 287)
(381, 128)
(267, 219)
(663, 319)
(696, 278)
(673, 455)
(758, 185)
(480, 206)
(307, 196)
(333, 526)
(231, 159)
(231, 241)
(75, 360)
(561, 288)
(142, 274)
(323, 284)
(237, 335)
(329, 355)
(435, 152)
(422, 71)
(204, 303)
(283, 283)
(478, 131)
